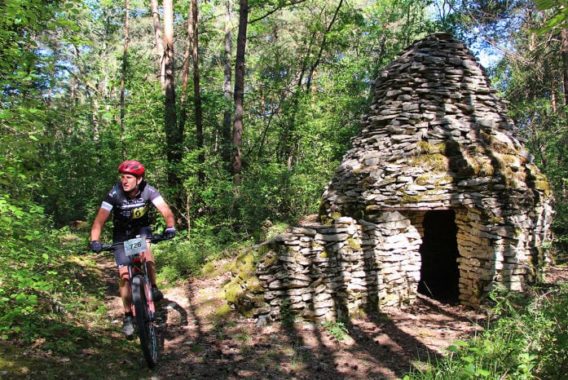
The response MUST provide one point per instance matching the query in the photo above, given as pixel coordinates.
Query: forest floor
(199, 342)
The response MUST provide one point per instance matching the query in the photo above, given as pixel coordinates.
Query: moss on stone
(270, 259)
(428, 148)
(244, 263)
(434, 161)
(222, 311)
(428, 179)
(253, 284)
(424, 179)
(326, 221)
(508, 159)
(208, 268)
(481, 165)
(274, 230)
(244, 282)
(353, 244)
(496, 219)
(233, 291)
(406, 198)
(543, 185)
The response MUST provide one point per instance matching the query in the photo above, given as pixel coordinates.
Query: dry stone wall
(436, 138)
(324, 272)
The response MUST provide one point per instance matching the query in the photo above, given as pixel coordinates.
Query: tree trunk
(185, 73)
(123, 80)
(226, 131)
(564, 52)
(197, 87)
(159, 42)
(174, 135)
(239, 90)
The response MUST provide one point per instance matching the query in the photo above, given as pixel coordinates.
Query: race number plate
(134, 246)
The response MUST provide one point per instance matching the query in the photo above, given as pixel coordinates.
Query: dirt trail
(201, 343)
(202, 339)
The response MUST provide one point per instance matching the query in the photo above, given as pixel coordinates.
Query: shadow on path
(201, 342)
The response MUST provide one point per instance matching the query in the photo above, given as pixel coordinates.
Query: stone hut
(437, 195)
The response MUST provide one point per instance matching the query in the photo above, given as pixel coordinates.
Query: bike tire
(146, 327)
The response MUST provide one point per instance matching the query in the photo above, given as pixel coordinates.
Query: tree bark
(564, 52)
(185, 72)
(159, 43)
(194, 36)
(123, 79)
(174, 136)
(227, 93)
(239, 90)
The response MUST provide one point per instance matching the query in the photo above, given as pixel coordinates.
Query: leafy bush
(529, 340)
(36, 282)
(182, 257)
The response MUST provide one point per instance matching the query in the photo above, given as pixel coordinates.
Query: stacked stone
(393, 242)
(305, 271)
(328, 272)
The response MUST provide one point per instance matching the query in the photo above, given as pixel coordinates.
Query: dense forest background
(240, 110)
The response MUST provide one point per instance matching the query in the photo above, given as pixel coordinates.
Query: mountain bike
(143, 307)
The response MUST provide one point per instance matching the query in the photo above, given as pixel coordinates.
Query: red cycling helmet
(132, 167)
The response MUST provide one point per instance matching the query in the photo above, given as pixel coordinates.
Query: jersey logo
(139, 212)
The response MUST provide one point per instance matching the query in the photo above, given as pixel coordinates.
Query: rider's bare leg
(151, 272)
(125, 294)
(150, 265)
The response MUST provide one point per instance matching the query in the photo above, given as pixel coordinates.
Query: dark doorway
(439, 252)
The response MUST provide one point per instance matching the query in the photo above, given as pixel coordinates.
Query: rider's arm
(99, 223)
(165, 210)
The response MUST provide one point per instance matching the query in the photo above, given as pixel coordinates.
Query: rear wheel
(146, 327)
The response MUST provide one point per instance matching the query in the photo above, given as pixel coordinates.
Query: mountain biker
(128, 200)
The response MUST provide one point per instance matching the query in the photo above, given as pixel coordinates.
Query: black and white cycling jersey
(131, 215)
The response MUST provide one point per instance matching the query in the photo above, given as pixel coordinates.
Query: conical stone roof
(436, 137)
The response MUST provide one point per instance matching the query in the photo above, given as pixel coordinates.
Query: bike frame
(139, 267)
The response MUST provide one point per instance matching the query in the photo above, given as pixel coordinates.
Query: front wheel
(146, 327)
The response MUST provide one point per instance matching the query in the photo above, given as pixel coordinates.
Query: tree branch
(322, 46)
(292, 2)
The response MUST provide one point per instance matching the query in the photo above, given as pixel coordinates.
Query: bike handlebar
(152, 238)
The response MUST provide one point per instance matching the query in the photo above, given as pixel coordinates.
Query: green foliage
(183, 257)
(62, 109)
(559, 17)
(338, 330)
(179, 259)
(529, 340)
(37, 283)
(542, 123)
